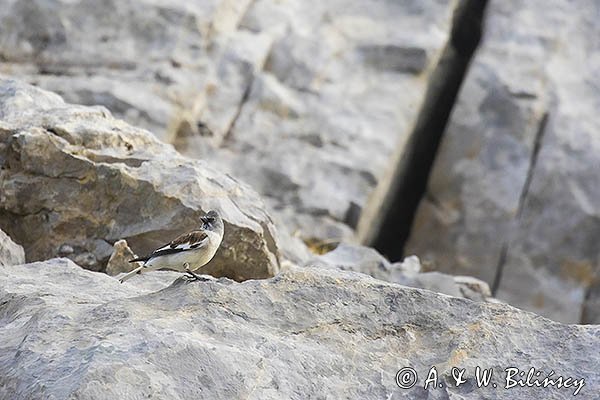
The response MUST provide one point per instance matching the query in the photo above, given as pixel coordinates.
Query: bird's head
(212, 221)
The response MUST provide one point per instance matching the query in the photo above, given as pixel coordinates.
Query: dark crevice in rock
(390, 228)
(539, 136)
(245, 96)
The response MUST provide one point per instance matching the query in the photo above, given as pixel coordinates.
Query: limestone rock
(157, 65)
(74, 180)
(513, 195)
(591, 307)
(119, 259)
(298, 98)
(368, 261)
(323, 118)
(10, 252)
(72, 333)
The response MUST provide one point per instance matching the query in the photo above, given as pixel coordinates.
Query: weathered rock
(591, 307)
(348, 257)
(10, 252)
(326, 101)
(513, 196)
(309, 333)
(154, 64)
(74, 180)
(306, 100)
(119, 259)
(409, 272)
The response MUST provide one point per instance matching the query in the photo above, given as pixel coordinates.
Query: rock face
(368, 261)
(306, 100)
(71, 333)
(513, 196)
(10, 252)
(74, 180)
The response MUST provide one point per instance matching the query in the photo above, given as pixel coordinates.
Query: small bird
(187, 252)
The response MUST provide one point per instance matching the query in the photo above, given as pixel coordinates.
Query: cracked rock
(495, 209)
(223, 339)
(299, 98)
(74, 178)
(368, 261)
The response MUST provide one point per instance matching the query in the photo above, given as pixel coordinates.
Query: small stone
(85, 260)
(119, 259)
(65, 250)
(10, 252)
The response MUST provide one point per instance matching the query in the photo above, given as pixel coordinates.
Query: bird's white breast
(196, 258)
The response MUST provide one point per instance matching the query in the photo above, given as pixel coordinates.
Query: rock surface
(119, 259)
(309, 333)
(368, 261)
(74, 180)
(298, 98)
(513, 196)
(10, 252)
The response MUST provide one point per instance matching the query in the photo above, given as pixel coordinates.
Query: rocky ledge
(74, 180)
(308, 333)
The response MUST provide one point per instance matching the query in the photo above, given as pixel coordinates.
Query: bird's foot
(192, 277)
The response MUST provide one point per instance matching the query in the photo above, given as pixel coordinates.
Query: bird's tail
(138, 270)
(139, 259)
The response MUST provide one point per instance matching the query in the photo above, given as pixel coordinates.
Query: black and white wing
(189, 241)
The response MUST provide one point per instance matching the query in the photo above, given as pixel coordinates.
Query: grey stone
(323, 119)
(591, 307)
(10, 252)
(309, 333)
(74, 178)
(348, 257)
(513, 195)
(119, 259)
(355, 258)
(308, 101)
(157, 65)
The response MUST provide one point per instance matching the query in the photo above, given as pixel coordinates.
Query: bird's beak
(203, 219)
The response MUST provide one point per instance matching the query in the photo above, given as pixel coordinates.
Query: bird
(187, 252)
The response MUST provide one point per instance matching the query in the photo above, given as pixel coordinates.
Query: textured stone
(591, 307)
(74, 180)
(119, 259)
(298, 98)
(309, 333)
(326, 102)
(513, 192)
(10, 252)
(368, 261)
(160, 65)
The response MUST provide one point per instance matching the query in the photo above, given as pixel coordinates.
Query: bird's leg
(193, 275)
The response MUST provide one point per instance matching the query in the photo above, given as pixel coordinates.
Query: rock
(348, 257)
(119, 259)
(591, 307)
(326, 101)
(368, 261)
(10, 252)
(473, 288)
(220, 339)
(73, 180)
(298, 98)
(156, 65)
(512, 198)
(410, 273)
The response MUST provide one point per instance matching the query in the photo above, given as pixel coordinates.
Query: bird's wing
(185, 242)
